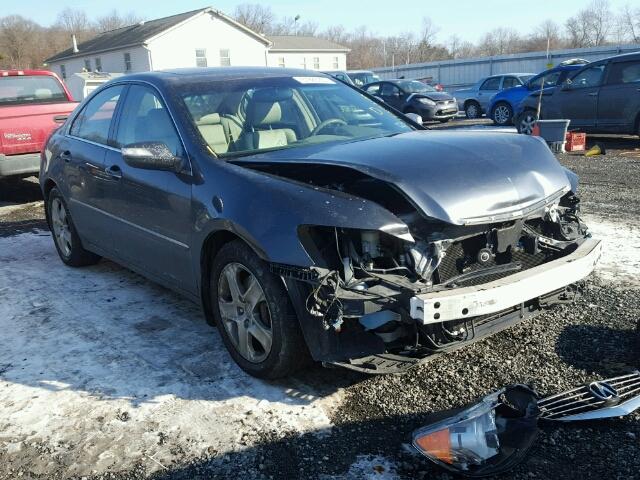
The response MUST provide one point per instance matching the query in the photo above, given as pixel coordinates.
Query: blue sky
(466, 18)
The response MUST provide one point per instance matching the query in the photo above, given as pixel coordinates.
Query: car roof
(19, 73)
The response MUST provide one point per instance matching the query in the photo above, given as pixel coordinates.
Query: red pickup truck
(33, 103)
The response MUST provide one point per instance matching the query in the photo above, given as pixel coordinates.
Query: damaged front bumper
(492, 297)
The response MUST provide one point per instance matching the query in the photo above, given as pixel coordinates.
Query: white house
(200, 38)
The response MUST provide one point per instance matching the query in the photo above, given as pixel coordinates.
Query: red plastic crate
(576, 141)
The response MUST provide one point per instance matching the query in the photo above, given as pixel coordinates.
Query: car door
(577, 100)
(153, 207)
(619, 97)
(391, 95)
(83, 150)
(488, 89)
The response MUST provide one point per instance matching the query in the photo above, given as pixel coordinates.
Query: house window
(225, 57)
(63, 72)
(201, 57)
(316, 63)
(127, 62)
(98, 61)
(336, 63)
(281, 62)
(87, 64)
(303, 64)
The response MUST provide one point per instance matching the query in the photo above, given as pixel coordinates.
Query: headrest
(261, 113)
(210, 119)
(42, 93)
(271, 94)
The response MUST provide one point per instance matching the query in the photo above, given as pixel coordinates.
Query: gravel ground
(371, 423)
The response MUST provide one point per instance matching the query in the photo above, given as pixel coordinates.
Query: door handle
(66, 156)
(593, 94)
(114, 171)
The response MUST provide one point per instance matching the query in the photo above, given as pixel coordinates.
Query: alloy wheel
(60, 224)
(245, 312)
(527, 121)
(502, 114)
(472, 111)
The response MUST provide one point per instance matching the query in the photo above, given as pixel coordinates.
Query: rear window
(20, 90)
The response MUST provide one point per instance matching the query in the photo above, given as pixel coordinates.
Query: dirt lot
(105, 375)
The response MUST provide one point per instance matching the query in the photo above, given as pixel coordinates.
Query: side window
(509, 82)
(389, 90)
(492, 83)
(624, 72)
(94, 120)
(144, 118)
(373, 89)
(590, 77)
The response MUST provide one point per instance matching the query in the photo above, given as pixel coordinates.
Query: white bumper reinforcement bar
(492, 297)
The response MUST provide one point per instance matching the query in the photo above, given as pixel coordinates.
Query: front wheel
(64, 233)
(502, 114)
(526, 122)
(254, 314)
(472, 110)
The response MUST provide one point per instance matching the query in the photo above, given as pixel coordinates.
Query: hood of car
(457, 177)
(435, 96)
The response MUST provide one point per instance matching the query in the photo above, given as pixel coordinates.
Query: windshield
(20, 90)
(240, 117)
(414, 86)
(549, 78)
(362, 78)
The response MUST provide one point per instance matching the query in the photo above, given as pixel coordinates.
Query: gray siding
(455, 74)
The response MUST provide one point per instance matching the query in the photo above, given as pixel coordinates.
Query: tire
(262, 334)
(472, 110)
(502, 114)
(525, 122)
(65, 236)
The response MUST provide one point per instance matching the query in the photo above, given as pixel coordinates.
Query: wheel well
(48, 186)
(636, 127)
(469, 102)
(210, 248)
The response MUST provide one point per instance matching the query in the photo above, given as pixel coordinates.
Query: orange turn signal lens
(437, 445)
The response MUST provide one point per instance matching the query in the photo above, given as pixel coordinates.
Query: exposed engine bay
(364, 284)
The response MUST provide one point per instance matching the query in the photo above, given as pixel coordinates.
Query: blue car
(504, 103)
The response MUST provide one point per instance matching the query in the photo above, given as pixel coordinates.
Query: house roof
(302, 43)
(140, 33)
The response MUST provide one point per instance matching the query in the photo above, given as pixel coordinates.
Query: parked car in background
(504, 103)
(474, 101)
(412, 96)
(32, 104)
(310, 220)
(601, 97)
(361, 77)
(340, 75)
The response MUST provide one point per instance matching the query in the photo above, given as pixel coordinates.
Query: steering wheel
(322, 125)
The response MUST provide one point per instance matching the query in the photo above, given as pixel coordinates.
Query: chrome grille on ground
(590, 397)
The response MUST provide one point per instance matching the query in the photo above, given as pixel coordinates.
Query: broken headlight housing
(487, 438)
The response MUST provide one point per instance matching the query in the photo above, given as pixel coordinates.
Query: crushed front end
(381, 301)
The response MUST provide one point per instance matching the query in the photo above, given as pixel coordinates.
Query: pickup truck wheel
(64, 233)
(526, 121)
(502, 114)
(472, 110)
(254, 314)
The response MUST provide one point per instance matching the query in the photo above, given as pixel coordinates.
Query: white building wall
(176, 48)
(112, 62)
(327, 60)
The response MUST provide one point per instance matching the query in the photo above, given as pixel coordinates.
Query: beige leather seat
(260, 134)
(213, 132)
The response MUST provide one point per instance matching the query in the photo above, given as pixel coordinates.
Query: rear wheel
(472, 110)
(526, 122)
(254, 314)
(502, 114)
(64, 233)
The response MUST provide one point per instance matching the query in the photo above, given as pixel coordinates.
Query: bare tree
(114, 20)
(591, 26)
(499, 41)
(629, 24)
(258, 18)
(20, 42)
(75, 22)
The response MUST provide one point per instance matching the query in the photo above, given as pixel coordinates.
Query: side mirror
(152, 156)
(414, 117)
(566, 85)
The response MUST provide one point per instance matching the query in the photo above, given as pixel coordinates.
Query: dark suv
(602, 97)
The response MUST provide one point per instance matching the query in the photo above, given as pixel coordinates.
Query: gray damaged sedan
(310, 220)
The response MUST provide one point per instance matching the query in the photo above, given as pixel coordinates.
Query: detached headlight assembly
(487, 438)
(426, 101)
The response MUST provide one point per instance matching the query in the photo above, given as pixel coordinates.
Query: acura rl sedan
(310, 220)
